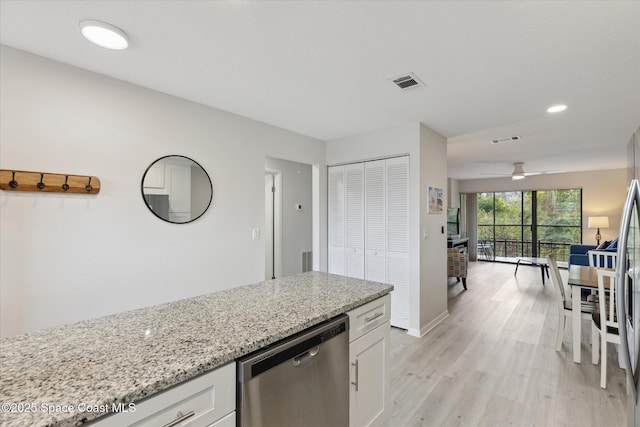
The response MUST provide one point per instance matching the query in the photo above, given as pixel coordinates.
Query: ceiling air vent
(504, 140)
(407, 82)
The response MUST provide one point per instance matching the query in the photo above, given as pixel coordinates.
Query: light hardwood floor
(492, 362)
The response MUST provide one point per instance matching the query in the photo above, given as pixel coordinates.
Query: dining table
(581, 277)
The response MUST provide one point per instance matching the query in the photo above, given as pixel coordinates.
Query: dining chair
(605, 321)
(564, 301)
(604, 259)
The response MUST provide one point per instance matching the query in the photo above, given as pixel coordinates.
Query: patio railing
(508, 248)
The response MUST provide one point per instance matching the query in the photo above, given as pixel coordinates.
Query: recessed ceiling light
(104, 35)
(556, 108)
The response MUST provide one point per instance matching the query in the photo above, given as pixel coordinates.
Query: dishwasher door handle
(313, 352)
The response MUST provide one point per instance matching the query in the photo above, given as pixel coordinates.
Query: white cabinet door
(355, 221)
(336, 211)
(398, 238)
(369, 398)
(154, 180)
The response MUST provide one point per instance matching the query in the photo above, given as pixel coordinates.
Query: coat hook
(41, 184)
(88, 186)
(13, 183)
(65, 186)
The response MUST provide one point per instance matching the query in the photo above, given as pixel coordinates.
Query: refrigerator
(628, 282)
(159, 205)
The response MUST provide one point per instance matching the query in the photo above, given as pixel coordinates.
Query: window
(453, 221)
(530, 223)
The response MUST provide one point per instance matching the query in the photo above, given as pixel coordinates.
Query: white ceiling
(322, 68)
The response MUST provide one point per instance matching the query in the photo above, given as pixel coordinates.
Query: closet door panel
(336, 213)
(375, 221)
(397, 187)
(355, 220)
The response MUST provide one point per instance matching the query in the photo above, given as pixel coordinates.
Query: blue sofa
(578, 253)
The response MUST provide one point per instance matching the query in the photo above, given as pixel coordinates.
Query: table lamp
(598, 222)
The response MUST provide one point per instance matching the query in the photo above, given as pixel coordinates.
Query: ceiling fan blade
(543, 172)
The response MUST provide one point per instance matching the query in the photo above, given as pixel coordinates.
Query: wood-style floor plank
(492, 362)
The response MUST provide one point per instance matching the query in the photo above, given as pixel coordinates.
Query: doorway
(289, 219)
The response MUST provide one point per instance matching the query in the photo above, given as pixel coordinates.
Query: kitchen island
(127, 357)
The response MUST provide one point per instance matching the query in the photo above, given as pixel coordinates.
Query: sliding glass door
(528, 223)
(559, 221)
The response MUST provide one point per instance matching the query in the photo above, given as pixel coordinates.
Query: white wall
(603, 193)
(65, 258)
(453, 194)
(415, 140)
(296, 224)
(433, 254)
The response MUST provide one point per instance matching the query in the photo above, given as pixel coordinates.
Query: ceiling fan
(519, 173)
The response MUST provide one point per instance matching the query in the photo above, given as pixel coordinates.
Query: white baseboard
(429, 326)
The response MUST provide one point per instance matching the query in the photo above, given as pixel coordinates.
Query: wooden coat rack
(15, 180)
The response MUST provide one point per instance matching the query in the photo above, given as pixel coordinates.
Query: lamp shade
(598, 222)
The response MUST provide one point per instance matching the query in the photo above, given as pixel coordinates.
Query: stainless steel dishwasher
(302, 381)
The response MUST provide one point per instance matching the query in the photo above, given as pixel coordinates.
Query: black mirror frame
(195, 163)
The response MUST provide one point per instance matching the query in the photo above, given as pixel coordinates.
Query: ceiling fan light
(104, 35)
(518, 171)
(556, 108)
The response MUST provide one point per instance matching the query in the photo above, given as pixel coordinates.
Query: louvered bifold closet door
(355, 221)
(336, 210)
(376, 222)
(397, 171)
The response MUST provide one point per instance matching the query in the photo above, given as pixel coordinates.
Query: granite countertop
(129, 356)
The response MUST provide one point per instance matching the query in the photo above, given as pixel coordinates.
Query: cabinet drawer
(228, 421)
(210, 397)
(369, 316)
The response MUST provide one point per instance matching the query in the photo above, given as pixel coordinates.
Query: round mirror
(177, 189)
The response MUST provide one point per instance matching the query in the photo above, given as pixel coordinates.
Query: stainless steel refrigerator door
(627, 278)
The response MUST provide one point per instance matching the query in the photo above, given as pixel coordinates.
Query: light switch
(298, 207)
(255, 234)
(425, 233)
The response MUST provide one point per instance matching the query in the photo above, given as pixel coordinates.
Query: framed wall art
(435, 200)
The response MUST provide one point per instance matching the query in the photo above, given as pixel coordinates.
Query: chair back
(603, 259)
(556, 278)
(608, 318)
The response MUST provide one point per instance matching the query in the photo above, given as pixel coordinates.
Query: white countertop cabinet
(369, 353)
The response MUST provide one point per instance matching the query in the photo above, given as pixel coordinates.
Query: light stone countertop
(129, 356)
